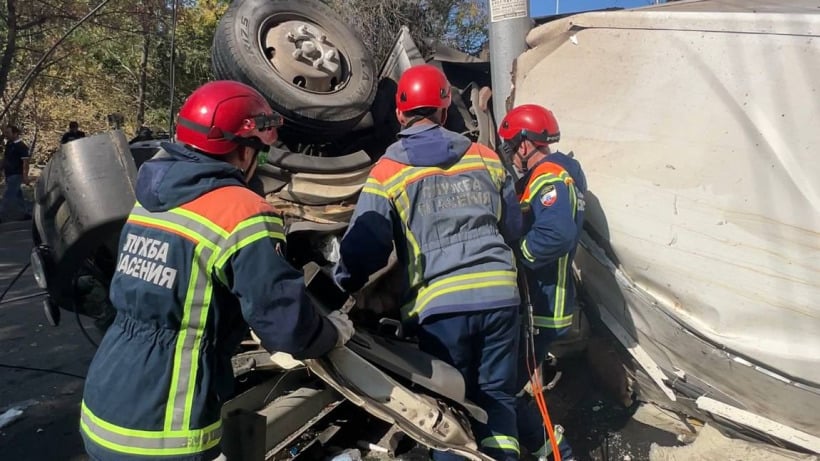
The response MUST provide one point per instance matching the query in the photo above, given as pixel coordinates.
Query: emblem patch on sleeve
(549, 195)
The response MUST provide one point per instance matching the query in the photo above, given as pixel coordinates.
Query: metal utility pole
(509, 24)
(172, 65)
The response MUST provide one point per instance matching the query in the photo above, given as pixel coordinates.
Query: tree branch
(36, 22)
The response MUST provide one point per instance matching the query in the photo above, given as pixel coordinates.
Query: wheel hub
(302, 54)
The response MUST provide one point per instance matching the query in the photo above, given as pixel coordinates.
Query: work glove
(344, 327)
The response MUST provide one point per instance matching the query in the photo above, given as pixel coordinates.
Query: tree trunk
(146, 48)
(11, 45)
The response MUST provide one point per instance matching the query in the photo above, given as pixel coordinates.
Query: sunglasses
(264, 122)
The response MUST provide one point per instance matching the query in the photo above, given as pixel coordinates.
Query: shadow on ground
(599, 429)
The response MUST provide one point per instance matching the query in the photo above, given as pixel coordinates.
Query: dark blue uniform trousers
(530, 423)
(483, 346)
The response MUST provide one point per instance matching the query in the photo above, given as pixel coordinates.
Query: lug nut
(308, 47)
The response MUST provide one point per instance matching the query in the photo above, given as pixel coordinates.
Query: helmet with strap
(423, 86)
(529, 122)
(220, 116)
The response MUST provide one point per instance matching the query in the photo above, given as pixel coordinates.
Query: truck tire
(325, 91)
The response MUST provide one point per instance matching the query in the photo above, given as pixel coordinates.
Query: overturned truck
(699, 260)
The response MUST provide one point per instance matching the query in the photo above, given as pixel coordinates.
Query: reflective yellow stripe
(400, 180)
(367, 189)
(526, 251)
(196, 306)
(415, 273)
(197, 326)
(502, 442)
(409, 173)
(559, 320)
(212, 243)
(563, 267)
(561, 287)
(274, 223)
(546, 449)
(148, 443)
(497, 172)
(374, 187)
(460, 283)
(247, 232)
(394, 189)
(555, 322)
(174, 414)
(543, 180)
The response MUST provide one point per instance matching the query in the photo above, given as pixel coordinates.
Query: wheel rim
(304, 54)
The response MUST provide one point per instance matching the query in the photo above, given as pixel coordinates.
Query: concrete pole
(509, 24)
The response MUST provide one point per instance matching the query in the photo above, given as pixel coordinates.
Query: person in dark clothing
(201, 258)
(72, 133)
(449, 207)
(143, 134)
(16, 170)
(551, 192)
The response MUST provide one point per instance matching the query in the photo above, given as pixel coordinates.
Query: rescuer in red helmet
(449, 208)
(200, 260)
(552, 197)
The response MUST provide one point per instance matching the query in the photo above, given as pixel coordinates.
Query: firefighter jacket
(552, 199)
(200, 259)
(450, 207)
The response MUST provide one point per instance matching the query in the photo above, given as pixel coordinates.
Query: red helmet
(531, 122)
(422, 86)
(220, 116)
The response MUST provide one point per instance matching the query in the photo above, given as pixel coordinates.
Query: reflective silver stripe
(248, 231)
(149, 442)
(195, 310)
(563, 268)
(502, 442)
(174, 216)
(194, 316)
(214, 242)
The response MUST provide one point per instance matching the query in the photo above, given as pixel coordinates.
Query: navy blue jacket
(552, 199)
(200, 255)
(450, 207)
(16, 152)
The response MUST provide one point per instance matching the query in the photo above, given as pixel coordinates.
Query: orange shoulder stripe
(228, 206)
(546, 167)
(433, 171)
(483, 151)
(542, 169)
(385, 169)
